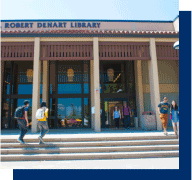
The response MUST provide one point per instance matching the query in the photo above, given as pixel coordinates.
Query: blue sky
(88, 9)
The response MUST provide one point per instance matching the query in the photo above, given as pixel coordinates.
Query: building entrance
(117, 87)
(107, 113)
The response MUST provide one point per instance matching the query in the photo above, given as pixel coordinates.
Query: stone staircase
(90, 148)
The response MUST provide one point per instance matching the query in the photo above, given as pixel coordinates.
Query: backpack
(19, 112)
(40, 114)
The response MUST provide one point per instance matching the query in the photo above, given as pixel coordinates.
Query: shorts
(164, 119)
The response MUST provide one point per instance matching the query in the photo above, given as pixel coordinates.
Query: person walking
(22, 120)
(174, 113)
(116, 117)
(126, 112)
(42, 122)
(163, 108)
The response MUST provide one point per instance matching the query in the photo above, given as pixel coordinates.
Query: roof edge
(89, 20)
(175, 18)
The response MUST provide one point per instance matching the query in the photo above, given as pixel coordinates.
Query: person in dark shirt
(163, 112)
(126, 112)
(23, 123)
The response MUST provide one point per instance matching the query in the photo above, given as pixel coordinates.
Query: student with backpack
(163, 112)
(41, 115)
(22, 120)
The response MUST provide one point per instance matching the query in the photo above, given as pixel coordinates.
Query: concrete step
(90, 149)
(99, 138)
(92, 144)
(90, 156)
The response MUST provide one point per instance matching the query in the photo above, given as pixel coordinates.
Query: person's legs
(21, 133)
(40, 127)
(45, 128)
(41, 132)
(117, 123)
(178, 129)
(23, 128)
(25, 132)
(164, 122)
(126, 121)
(174, 127)
(20, 127)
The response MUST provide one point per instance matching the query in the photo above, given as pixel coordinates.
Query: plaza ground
(63, 132)
(148, 163)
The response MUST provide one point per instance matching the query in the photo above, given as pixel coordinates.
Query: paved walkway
(149, 163)
(85, 133)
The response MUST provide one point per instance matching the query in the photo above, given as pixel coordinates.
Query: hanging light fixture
(30, 75)
(70, 74)
(110, 73)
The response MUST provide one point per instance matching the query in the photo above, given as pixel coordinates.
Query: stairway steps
(83, 139)
(90, 156)
(91, 144)
(90, 149)
(81, 147)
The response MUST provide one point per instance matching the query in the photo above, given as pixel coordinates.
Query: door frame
(82, 95)
(103, 119)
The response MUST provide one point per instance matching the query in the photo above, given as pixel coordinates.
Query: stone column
(92, 95)
(36, 83)
(139, 89)
(154, 82)
(96, 79)
(45, 81)
(1, 83)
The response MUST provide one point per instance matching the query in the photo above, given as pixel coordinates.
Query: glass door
(69, 94)
(107, 120)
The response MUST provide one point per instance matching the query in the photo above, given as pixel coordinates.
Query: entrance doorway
(117, 82)
(107, 113)
(107, 110)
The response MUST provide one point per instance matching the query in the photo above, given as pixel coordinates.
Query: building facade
(83, 68)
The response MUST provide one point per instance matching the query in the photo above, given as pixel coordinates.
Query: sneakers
(41, 140)
(165, 133)
(21, 141)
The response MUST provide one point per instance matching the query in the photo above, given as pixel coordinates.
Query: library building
(83, 69)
